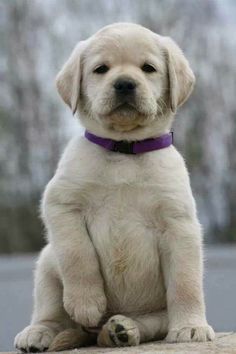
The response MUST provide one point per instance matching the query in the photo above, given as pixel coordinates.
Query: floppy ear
(69, 78)
(181, 77)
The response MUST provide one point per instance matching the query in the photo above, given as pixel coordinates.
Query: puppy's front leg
(181, 253)
(84, 297)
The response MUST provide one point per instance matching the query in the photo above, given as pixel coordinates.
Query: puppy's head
(126, 79)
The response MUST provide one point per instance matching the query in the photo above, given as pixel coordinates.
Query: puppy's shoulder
(74, 168)
(168, 161)
(77, 156)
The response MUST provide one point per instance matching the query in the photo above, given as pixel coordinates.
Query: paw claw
(191, 334)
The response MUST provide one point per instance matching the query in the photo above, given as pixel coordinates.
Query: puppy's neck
(155, 128)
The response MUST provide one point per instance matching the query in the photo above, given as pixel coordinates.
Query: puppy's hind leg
(121, 330)
(152, 326)
(49, 316)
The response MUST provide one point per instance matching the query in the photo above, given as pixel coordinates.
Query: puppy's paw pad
(119, 331)
(191, 334)
(34, 339)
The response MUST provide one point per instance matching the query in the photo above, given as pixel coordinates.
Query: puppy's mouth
(125, 107)
(124, 117)
(125, 114)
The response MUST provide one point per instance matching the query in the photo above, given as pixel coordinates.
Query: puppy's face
(125, 78)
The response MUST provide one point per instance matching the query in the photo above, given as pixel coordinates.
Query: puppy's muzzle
(125, 87)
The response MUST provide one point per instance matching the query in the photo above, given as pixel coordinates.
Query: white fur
(123, 234)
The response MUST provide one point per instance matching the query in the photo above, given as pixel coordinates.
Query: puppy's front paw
(191, 334)
(119, 331)
(87, 307)
(34, 338)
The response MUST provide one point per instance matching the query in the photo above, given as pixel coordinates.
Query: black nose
(124, 86)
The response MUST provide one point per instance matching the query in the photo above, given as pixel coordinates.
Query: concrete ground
(224, 343)
(16, 292)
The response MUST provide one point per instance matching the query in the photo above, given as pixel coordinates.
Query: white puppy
(124, 242)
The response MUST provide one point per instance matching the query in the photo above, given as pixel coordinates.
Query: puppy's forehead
(124, 43)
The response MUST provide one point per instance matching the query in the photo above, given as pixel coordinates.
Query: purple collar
(132, 147)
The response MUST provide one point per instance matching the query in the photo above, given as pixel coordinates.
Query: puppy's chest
(123, 191)
(121, 217)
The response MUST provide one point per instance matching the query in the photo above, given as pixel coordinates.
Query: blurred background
(36, 37)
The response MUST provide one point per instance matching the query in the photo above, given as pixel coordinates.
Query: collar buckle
(124, 147)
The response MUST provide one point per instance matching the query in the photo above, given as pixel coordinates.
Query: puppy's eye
(101, 69)
(148, 68)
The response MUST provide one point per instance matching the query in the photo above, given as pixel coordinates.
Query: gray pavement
(16, 275)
